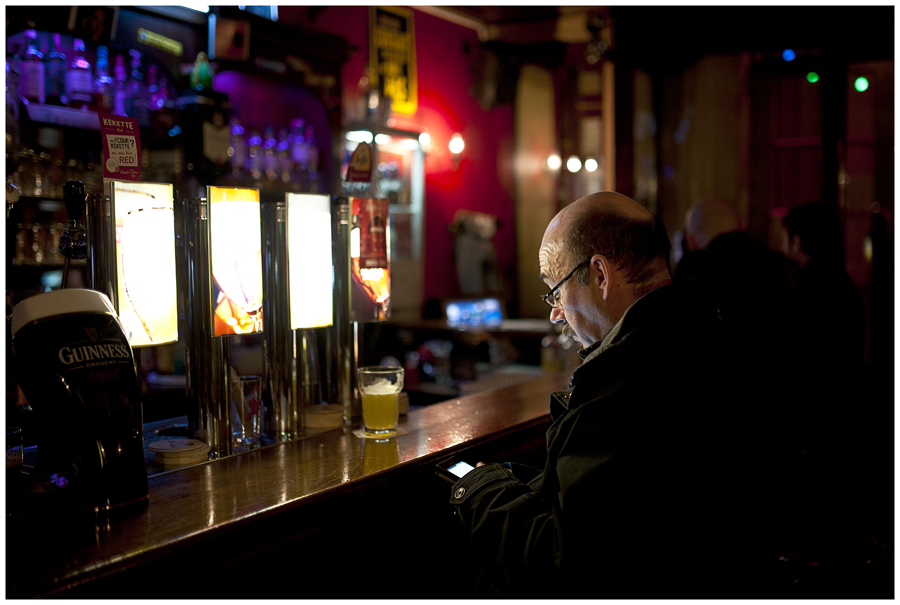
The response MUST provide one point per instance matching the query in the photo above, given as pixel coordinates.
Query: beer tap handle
(73, 241)
(74, 197)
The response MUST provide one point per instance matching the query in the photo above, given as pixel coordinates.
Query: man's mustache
(567, 330)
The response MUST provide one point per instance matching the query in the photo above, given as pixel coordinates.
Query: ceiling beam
(485, 32)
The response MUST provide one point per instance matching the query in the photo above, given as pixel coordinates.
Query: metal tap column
(283, 422)
(343, 372)
(206, 358)
(101, 250)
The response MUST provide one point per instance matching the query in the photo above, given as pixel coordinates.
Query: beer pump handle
(74, 197)
(73, 241)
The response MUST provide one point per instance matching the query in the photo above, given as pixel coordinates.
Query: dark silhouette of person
(830, 323)
(831, 314)
(753, 281)
(843, 427)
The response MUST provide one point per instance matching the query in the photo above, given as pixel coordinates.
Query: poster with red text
(121, 141)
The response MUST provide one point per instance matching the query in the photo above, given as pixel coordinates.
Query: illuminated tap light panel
(145, 261)
(370, 257)
(310, 265)
(236, 252)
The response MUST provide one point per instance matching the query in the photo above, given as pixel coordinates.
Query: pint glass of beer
(379, 388)
(77, 370)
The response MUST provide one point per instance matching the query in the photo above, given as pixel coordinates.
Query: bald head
(614, 225)
(708, 219)
(603, 202)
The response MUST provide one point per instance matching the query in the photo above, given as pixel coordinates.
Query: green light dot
(812, 77)
(861, 84)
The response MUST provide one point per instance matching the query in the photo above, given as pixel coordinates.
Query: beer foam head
(380, 387)
(59, 302)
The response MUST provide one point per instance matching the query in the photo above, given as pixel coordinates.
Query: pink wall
(483, 181)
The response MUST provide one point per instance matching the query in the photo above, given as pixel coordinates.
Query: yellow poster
(392, 56)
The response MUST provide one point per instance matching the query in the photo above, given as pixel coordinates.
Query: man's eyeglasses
(552, 297)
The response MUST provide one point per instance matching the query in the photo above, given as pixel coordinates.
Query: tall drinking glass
(379, 388)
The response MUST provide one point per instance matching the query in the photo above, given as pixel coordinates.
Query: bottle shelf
(29, 199)
(264, 186)
(62, 116)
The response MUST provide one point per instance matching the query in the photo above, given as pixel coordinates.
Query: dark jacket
(658, 475)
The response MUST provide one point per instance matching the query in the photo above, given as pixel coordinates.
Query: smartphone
(452, 469)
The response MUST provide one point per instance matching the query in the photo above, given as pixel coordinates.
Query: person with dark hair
(660, 462)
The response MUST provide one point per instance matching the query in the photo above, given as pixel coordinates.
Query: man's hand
(509, 470)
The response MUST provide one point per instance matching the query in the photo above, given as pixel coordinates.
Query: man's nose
(557, 316)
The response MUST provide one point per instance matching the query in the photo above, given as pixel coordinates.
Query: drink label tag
(359, 169)
(373, 224)
(121, 140)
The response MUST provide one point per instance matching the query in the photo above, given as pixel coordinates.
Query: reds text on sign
(121, 147)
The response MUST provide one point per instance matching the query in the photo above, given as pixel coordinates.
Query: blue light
(789, 55)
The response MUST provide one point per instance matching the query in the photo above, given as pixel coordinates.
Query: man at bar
(659, 477)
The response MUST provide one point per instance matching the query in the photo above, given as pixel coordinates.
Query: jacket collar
(674, 299)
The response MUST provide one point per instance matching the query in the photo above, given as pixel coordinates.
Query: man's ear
(602, 274)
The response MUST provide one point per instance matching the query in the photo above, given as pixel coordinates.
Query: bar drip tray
(174, 430)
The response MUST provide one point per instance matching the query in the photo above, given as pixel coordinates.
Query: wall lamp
(573, 164)
(359, 136)
(456, 148)
(425, 142)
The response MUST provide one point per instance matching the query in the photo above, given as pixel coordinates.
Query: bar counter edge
(281, 506)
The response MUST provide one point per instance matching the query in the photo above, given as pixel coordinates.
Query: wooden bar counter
(330, 516)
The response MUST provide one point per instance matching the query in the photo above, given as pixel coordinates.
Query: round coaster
(179, 451)
(181, 446)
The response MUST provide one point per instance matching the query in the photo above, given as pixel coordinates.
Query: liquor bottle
(92, 175)
(309, 137)
(104, 87)
(55, 72)
(202, 74)
(299, 155)
(284, 155)
(152, 87)
(270, 162)
(79, 79)
(313, 158)
(12, 109)
(238, 149)
(119, 77)
(137, 98)
(255, 154)
(159, 99)
(32, 84)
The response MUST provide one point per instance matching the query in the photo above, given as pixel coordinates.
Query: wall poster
(392, 56)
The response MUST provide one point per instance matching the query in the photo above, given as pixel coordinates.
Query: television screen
(472, 313)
